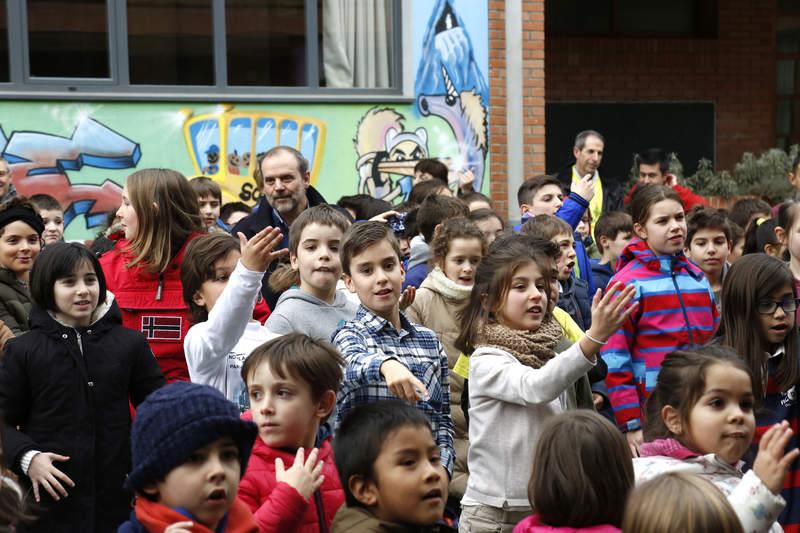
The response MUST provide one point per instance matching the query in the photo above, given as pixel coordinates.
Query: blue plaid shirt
(367, 341)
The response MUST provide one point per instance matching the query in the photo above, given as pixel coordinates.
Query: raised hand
(772, 462)
(257, 253)
(584, 187)
(305, 476)
(611, 310)
(407, 298)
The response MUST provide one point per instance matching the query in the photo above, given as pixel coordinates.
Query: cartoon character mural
(239, 133)
(40, 161)
(450, 86)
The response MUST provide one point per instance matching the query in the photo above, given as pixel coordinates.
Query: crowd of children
(368, 367)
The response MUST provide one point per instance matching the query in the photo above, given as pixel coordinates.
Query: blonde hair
(678, 501)
(167, 209)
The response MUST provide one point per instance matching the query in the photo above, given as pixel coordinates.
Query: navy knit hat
(175, 421)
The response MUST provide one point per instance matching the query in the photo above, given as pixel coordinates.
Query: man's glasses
(767, 307)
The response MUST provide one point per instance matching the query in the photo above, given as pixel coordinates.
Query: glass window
(171, 42)
(786, 77)
(4, 76)
(68, 38)
(655, 16)
(266, 43)
(578, 17)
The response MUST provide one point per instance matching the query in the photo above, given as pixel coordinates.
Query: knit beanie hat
(175, 421)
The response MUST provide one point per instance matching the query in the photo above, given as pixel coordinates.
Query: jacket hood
(437, 282)
(107, 312)
(637, 250)
(420, 251)
(339, 301)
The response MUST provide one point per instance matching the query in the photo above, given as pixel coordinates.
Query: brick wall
(736, 71)
(533, 91)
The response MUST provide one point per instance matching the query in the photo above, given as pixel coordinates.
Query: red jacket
(278, 507)
(162, 318)
(688, 198)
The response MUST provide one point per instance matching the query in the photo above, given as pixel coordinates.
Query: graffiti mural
(40, 161)
(221, 145)
(449, 85)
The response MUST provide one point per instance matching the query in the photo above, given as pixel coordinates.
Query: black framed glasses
(767, 307)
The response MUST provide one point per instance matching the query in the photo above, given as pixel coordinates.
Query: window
(63, 44)
(680, 18)
(246, 49)
(4, 66)
(170, 42)
(787, 84)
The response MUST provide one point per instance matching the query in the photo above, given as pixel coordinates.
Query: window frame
(118, 87)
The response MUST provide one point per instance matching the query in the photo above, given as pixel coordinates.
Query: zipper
(160, 288)
(683, 309)
(323, 526)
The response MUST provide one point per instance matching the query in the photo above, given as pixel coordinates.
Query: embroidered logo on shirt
(162, 328)
(789, 397)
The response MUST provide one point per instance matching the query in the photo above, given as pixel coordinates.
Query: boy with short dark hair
(433, 211)
(190, 450)
(386, 355)
(52, 215)
(209, 197)
(233, 212)
(708, 245)
(612, 233)
(380, 496)
(430, 169)
(291, 483)
(575, 298)
(476, 201)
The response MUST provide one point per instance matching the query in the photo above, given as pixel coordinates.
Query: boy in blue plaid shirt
(388, 357)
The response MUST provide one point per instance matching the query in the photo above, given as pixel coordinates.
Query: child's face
(709, 250)
(19, 246)
(76, 296)
(235, 217)
(664, 231)
(583, 226)
(282, 407)
(776, 326)
(53, 225)
(722, 421)
(526, 299)
(546, 201)
(736, 250)
(462, 260)
(317, 259)
(127, 216)
(211, 289)
(376, 276)
(613, 248)
(205, 485)
(794, 178)
(793, 240)
(410, 485)
(209, 209)
(566, 256)
(491, 228)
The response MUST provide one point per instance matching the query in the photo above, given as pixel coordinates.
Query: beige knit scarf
(531, 348)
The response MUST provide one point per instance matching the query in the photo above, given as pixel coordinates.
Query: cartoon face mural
(449, 86)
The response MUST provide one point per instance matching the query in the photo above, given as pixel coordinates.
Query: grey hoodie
(299, 312)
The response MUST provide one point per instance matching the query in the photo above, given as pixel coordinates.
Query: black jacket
(263, 217)
(66, 391)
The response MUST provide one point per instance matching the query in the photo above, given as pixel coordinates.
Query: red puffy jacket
(152, 304)
(278, 507)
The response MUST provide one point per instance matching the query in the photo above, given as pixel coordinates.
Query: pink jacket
(278, 507)
(533, 525)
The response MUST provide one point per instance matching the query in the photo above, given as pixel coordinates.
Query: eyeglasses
(767, 307)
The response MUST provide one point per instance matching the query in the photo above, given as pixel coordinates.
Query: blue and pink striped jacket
(676, 310)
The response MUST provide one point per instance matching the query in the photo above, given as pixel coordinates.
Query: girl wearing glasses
(759, 301)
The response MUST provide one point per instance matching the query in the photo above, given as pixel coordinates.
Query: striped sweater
(676, 310)
(778, 406)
